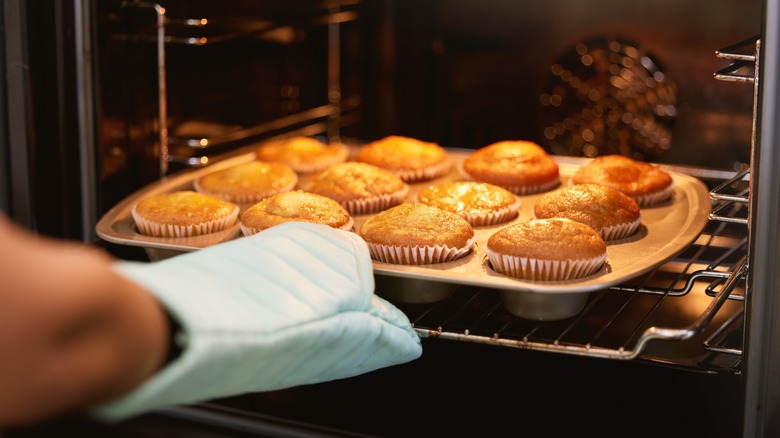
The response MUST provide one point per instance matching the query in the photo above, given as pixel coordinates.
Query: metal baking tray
(666, 230)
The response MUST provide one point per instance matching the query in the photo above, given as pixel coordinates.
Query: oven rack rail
(476, 314)
(198, 150)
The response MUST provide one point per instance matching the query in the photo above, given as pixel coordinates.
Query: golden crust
(248, 182)
(594, 205)
(183, 213)
(412, 159)
(303, 154)
(548, 239)
(351, 180)
(412, 224)
(512, 163)
(296, 205)
(634, 178)
(477, 202)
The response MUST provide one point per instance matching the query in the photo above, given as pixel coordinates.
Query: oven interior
(183, 84)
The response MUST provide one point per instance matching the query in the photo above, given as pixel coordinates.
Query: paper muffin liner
(520, 190)
(418, 255)
(324, 163)
(494, 217)
(245, 198)
(544, 270)
(425, 174)
(376, 203)
(157, 229)
(619, 231)
(654, 198)
(249, 231)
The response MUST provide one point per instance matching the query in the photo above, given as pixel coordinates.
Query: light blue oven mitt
(292, 305)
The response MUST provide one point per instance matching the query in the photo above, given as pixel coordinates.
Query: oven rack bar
(477, 315)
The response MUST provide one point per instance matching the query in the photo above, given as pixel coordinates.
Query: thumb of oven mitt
(289, 306)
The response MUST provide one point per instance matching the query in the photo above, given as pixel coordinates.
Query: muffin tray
(665, 231)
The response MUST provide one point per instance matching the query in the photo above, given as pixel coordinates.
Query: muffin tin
(666, 230)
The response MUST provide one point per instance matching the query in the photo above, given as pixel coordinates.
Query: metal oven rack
(687, 313)
(196, 150)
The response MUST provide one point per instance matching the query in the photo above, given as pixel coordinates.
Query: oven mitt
(289, 306)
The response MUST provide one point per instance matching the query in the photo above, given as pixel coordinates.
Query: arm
(73, 333)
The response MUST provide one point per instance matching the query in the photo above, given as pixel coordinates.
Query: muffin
(303, 154)
(611, 213)
(359, 187)
(411, 159)
(294, 206)
(646, 183)
(416, 234)
(553, 249)
(522, 167)
(248, 183)
(479, 203)
(183, 213)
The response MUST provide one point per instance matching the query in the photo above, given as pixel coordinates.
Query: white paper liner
(248, 231)
(375, 204)
(544, 270)
(655, 198)
(492, 218)
(517, 190)
(428, 173)
(157, 229)
(246, 198)
(418, 255)
(619, 231)
(324, 164)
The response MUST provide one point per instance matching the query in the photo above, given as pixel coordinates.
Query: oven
(105, 98)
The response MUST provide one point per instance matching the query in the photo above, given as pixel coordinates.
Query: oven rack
(714, 267)
(197, 150)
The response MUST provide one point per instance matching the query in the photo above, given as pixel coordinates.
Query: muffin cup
(543, 270)
(520, 190)
(654, 198)
(249, 231)
(502, 215)
(413, 290)
(543, 306)
(619, 231)
(157, 229)
(312, 167)
(375, 204)
(425, 174)
(246, 198)
(418, 255)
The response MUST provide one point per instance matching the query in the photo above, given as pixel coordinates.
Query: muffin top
(303, 154)
(399, 154)
(295, 205)
(467, 197)
(248, 182)
(511, 163)
(412, 224)
(632, 177)
(351, 180)
(183, 208)
(591, 204)
(548, 239)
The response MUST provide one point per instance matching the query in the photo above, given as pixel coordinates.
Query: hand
(289, 306)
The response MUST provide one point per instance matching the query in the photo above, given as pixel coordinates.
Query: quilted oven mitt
(290, 306)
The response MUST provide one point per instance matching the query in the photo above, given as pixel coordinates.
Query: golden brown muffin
(646, 183)
(183, 214)
(546, 250)
(359, 187)
(479, 203)
(303, 154)
(522, 167)
(294, 206)
(248, 182)
(611, 213)
(416, 234)
(411, 159)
